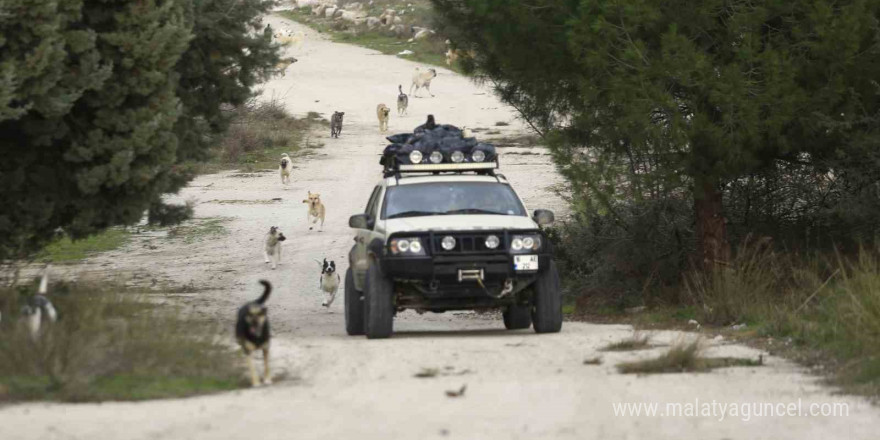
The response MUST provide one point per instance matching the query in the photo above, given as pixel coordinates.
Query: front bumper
(435, 282)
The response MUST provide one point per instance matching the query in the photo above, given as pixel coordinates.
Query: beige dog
(272, 249)
(422, 80)
(316, 210)
(382, 112)
(286, 168)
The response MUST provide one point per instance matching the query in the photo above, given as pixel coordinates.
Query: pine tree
(684, 95)
(102, 103)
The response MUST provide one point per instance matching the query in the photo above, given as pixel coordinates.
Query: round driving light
(415, 246)
(415, 156)
(403, 245)
(457, 156)
(436, 157)
(516, 244)
(528, 242)
(492, 241)
(448, 243)
(478, 156)
(537, 243)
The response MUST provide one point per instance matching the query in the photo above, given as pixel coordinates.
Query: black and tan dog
(252, 333)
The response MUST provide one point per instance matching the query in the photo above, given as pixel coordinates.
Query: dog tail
(267, 289)
(44, 282)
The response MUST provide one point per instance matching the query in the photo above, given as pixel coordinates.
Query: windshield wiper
(414, 214)
(474, 211)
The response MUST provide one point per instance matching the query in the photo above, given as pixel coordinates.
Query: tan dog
(316, 210)
(286, 168)
(382, 112)
(422, 80)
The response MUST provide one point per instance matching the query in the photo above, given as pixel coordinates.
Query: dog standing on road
(422, 80)
(329, 282)
(336, 124)
(382, 112)
(252, 333)
(402, 101)
(316, 210)
(273, 246)
(286, 169)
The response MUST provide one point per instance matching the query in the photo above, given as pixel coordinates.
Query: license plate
(525, 262)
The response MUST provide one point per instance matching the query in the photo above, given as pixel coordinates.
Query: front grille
(468, 243)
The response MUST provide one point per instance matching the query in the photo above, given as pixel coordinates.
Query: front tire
(517, 317)
(354, 307)
(378, 304)
(547, 302)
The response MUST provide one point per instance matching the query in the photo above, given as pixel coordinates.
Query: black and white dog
(252, 332)
(329, 282)
(38, 308)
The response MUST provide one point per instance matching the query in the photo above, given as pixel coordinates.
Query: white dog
(286, 169)
(422, 80)
(273, 246)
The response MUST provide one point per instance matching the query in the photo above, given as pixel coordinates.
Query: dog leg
(266, 255)
(267, 377)
(428, 88)
(255, 381)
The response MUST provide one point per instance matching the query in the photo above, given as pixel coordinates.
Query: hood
(468, 222)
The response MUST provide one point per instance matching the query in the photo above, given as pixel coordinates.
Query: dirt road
(519, 385)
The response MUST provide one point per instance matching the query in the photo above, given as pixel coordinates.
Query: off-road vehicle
(443, 230)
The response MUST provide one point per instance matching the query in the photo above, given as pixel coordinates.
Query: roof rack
(433, 148)
(487, 168)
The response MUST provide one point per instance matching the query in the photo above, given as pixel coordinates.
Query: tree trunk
(712, 247)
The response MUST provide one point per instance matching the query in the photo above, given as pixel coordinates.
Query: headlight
(457, 156)
(492, 242)
(448, 243)
(436, 157)
(415, 156)
(406, 246)
(525, 243)
(516, 244)
(478, 156)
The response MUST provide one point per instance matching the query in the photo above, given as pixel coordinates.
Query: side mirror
(359, 221)
(544, 217)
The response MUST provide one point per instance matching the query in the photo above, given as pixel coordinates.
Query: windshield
(440, 198)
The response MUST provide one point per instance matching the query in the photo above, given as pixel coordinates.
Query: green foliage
(65, 250)
(647, 99)
(104, 102)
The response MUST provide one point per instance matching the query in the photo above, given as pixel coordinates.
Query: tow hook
(508, 287)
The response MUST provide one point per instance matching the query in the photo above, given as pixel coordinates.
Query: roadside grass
(110, 343)
(684, 357)
(260, 131)
(65, 250)
(430, 50)
(821, 310)
(196, 230)
(827, 306)
(637, 341)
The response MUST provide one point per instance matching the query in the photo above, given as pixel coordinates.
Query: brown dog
(316, 210)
